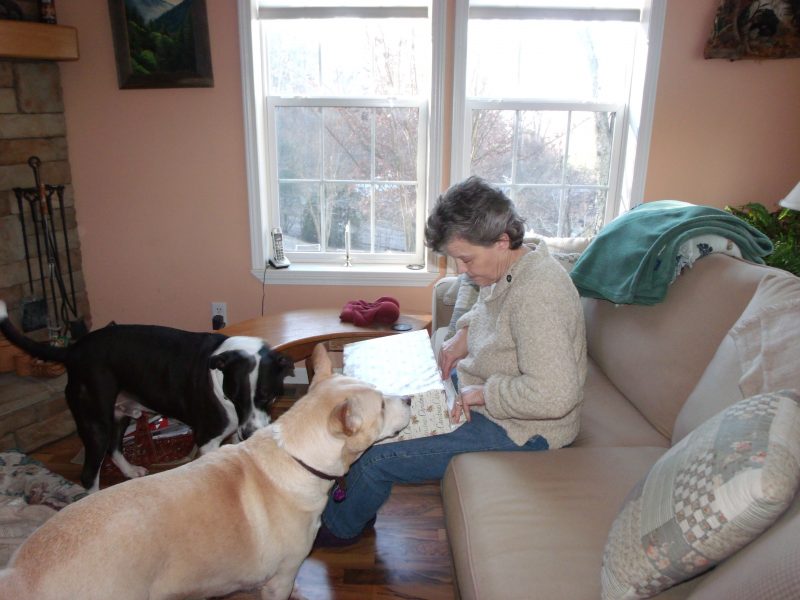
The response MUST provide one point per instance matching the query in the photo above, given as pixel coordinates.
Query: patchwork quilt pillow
(712, 493)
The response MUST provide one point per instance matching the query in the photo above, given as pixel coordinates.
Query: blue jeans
(370, 479)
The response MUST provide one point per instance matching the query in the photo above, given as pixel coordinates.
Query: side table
(296, 332)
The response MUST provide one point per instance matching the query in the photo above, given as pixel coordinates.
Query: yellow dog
(239, 517)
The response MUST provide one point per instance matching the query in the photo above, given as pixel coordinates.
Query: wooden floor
(405, 557)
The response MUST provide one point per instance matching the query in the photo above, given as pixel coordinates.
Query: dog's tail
(35, 349)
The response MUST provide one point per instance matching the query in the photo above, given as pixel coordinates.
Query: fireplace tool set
(60, 313)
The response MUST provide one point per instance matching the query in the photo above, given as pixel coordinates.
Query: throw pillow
(707, 497)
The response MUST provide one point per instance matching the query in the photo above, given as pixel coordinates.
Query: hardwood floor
(405, 557)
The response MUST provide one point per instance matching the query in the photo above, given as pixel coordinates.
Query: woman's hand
(471, 395)
(452, 351)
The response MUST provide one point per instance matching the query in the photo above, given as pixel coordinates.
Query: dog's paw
(134, 471)
(138, 471)
(130, 471)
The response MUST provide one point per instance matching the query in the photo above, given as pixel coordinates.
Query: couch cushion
(711, 494)
(609, 419)
(533, 524)
(655, 355)
(717, 389)
(760, 353)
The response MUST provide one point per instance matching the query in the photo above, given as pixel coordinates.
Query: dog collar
(340, 487)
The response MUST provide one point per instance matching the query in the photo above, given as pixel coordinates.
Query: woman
(519, 356)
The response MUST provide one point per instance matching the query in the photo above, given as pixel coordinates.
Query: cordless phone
(278, 260)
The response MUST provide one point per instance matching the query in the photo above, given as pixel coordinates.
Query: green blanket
(632, 260)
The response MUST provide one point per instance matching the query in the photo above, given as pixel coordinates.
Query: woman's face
(484, 264)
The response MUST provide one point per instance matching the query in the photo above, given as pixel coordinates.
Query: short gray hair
(475, 211)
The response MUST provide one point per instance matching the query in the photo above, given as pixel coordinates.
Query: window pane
(396, 142)
(348, 56)
(540, 208)
(298, 138)
(585, 212)
(542, 145)
(531, 59)
(299, 213)
(343, 203)
(492, 144)
(590, 140)
(395, 218)
(348, 135)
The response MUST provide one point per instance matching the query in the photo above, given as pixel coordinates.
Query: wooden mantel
(37, 41)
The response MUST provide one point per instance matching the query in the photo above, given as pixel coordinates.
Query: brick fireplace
(32, 410)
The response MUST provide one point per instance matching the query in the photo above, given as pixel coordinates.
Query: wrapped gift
(404, 365)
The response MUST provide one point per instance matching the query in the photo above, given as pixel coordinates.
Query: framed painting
(161, 44)
(755, 29)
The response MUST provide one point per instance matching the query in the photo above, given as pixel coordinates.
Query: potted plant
(781, 226)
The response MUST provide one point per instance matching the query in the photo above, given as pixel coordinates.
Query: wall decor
(755, 29)
(161, 44)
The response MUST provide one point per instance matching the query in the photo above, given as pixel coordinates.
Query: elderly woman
(519, 356)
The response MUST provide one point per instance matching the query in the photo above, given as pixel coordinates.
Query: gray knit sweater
(527, 346)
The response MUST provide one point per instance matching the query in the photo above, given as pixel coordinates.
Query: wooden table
(296, 332)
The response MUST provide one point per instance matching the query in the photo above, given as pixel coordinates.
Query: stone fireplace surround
(33, 411)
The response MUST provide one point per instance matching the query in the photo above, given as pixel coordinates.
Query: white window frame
(633, 124)
(630, 180)
(259, 115)
(611, 207)
(332, 258)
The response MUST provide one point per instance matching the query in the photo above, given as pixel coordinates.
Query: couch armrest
(442, 308)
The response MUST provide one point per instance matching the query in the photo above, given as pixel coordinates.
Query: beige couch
(534, 525)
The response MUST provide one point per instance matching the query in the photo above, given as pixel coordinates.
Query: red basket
(155, 443)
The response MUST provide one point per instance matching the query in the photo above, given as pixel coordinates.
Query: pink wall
(159, 175)
(724, 132)
(160, 189)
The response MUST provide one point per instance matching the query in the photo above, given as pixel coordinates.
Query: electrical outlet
(220, 308)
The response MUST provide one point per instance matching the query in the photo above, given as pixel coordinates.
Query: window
(545, 94)
(347, 108)
(344, 106)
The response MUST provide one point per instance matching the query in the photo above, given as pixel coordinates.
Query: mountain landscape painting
(161, 43)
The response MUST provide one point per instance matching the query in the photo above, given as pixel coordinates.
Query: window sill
(357, 275)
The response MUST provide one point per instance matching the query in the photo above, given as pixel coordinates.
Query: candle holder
(347, 261)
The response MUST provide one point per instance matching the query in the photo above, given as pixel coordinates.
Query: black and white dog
(219, 386)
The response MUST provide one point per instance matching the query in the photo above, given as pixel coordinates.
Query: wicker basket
(7, 353)
(27, 366)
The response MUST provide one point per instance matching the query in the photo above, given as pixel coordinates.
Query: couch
(536, 525)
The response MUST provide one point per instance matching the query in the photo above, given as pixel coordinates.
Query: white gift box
(404, 365)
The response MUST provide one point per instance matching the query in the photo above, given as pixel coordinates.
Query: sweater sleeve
(545, 318)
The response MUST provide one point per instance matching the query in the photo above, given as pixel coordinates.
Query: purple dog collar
(340, 487)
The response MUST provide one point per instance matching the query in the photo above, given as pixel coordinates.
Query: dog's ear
(224, 360)
(344, 420)
(235, 366)
(284, 365)
(219, 361)
(321, 361)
